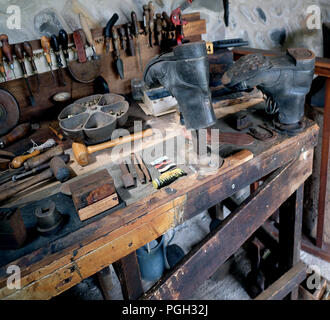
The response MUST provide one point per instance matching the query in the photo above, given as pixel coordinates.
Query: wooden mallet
(81, 152)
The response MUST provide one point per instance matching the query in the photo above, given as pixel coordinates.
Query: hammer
(57, 168)
(81, 152)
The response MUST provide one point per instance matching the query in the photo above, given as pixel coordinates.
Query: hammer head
(80, 153)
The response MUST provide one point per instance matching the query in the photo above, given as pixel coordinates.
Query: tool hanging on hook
(176, 18)
(6, 49)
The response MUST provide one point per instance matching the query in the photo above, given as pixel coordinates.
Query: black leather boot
(185, 73)
(285, 80)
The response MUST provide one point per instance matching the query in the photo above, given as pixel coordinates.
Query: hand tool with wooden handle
(59, 135)
(18, 161)
(130, 41)
(63, 40)
(146, 19)
(122, 37)
(136, 32)
(159, 26)
(16, 134)
(126, 176)
(88, 33)
(2, 67)
(143, 167)
(56, 48)
(45, 44)
(42, 167)
(108, 30)
(29, 55)
(81, 152)
(118, 62)
(151, 22)
(8, 193)
(139, 172)
(80, 46)
(6, 49)
(44, 157)
(20, 56)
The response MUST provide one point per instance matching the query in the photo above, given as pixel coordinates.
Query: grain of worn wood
(205, 258)
(128, 272)
(50, 265)
(283, 286)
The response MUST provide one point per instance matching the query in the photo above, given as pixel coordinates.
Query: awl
(45, 44)
(56, 48)
(29, 54)
(108, 30)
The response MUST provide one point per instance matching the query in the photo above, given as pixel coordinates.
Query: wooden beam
(128, 272)
(324, 174)
(205, 258)
(283, 286)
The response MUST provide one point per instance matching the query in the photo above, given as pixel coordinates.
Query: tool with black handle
(118, 62)
(6, 49)
(151, 23)
(29, 55)
(20, 56)
(42, 167)
(2, 67)
(56, 48)
(45, 44)
(136, 33)
(130, 40)
(229, 43)
(226, 12)
(63, 41)
(108, 30)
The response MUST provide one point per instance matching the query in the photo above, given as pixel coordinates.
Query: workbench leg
(324, 174)
(290, 233)
(105, 280)
(128, 272)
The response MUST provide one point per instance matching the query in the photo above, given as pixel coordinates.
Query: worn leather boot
(285, 80)
(185, 74)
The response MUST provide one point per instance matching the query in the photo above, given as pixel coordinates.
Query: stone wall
(266, 24)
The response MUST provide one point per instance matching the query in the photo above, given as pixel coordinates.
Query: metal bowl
(94, 118)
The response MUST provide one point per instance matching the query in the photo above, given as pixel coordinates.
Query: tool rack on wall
(44, 107)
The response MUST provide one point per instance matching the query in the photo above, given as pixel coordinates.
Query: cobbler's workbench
(286, 162)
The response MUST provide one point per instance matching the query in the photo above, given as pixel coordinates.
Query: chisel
(88, 33)
(56, 48)
(136, 32)
(20, 56)
(108, 30)
(6, 49)
(118, 62)
(123, 40)
(29, 55)
(45, 44)
(63, 40)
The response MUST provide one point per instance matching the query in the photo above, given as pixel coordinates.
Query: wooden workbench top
(50, 270)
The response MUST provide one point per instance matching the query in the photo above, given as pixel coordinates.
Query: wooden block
(92, 189)
(98, 207)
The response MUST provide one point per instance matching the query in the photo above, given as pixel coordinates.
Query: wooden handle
(86, 28)
(151, 15)
(28, 49)
(116, 142)
(18, 133)
(18, 161)
(2, 68)
(19, 51)
(137, 169)
(6, 48)
(44, 157)
(8, 193)
(45, 44)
